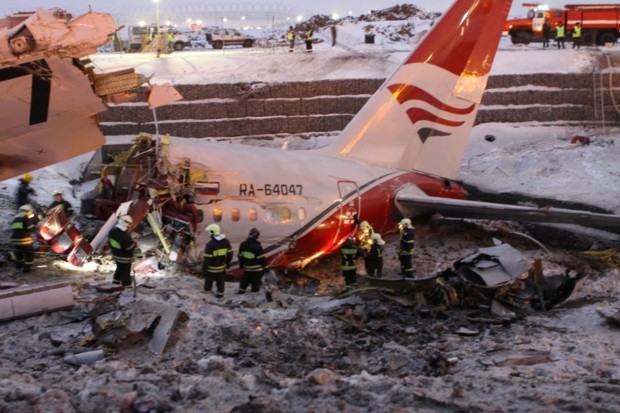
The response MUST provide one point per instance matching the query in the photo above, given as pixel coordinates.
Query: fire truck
(600, 23)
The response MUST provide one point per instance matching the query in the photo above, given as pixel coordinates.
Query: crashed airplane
(49, 97)
(396, 158)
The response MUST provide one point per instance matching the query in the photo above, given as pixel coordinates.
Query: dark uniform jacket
(348, 255)
(23, 193)
(251, 255)
(218, 255)
(407, 239)
(122, 245)
(23, 228)
(63, 205)
(375, 254)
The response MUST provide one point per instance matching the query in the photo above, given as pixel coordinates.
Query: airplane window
(285, 214)
(235, 214)
(217, 215)
(252, 214)
(301, 213)
(278, 215)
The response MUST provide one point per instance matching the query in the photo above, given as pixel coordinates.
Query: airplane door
(350, 205)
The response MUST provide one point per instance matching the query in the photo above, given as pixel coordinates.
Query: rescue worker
(217, 257)
(24, 190)
(123, 247)
(373, 259)
(170, 38)
(308, 33)
(117, 42)
(60, 203)
(560, 36)
(546, 29)
(406, 247)
(348, 255)
(290, 38)
(22, 237)
(577, 36)
(252, 260)
(365, 237)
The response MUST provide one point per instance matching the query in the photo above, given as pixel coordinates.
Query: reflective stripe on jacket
(218, 255)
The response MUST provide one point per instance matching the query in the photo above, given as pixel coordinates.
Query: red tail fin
(422, 116)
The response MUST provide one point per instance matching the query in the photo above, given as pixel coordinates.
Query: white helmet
(214, 229)
(126, 220)
(376, 236)
(405, 223)
(27, 208)
(57, 192)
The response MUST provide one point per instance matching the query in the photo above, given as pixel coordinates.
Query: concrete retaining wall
(259, 109)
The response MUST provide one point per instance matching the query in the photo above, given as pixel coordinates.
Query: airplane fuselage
(304, 203)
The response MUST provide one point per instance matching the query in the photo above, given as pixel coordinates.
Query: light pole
(157, 14)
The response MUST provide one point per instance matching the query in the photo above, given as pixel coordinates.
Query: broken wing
(410, 204)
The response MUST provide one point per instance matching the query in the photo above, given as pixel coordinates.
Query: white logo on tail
(405, 93)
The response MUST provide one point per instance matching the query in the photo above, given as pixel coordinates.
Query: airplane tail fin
(422, 116)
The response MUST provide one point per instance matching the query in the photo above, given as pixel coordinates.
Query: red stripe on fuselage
(377, 208)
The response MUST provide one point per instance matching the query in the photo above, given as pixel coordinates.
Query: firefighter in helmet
(61, 203)
(252, 260)
(373, 258)
(24, 190)
(348, 256)
(217, 257)
(365, 236)
(406, 247)
(22, 237)
(123, 247)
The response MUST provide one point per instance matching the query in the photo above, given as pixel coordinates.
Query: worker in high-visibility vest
(170, 38)
(560, 36)
(577, 36)
(290, 38)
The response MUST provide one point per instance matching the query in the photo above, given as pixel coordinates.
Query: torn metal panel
(612, 316)
(163, 331)
(28, 299)
(495, 265)
(506, 358)
(136, 321)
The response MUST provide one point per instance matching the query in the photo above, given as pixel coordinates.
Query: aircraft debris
(31, 299)
(499, 278)
(582, 140)
(134, 322)
(507, 358)
(50, 95)
(612, 316)
(86, 358)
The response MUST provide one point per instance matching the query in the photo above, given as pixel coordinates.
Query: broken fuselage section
(49, 96)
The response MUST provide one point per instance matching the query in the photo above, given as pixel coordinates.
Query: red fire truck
(600, 22)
